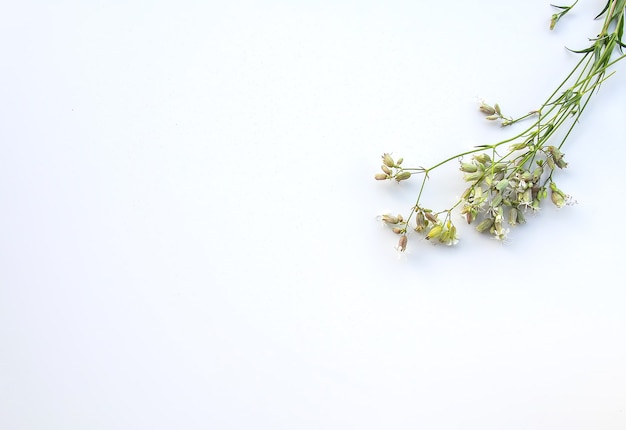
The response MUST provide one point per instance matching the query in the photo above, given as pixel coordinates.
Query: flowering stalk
(507, 179)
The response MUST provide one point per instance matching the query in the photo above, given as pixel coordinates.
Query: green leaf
(606, 7)
(582, 51)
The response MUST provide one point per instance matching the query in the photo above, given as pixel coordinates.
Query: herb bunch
(510, 178)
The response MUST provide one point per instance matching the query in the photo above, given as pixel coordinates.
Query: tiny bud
(434, 232)
(497, 200)
(558, 197)
(486, 109)
(380, 176)
(553, 21)
(468, 167)
(387, 160)
(390, 219)
(526, 176)
(471, 177)
(484, 224)
(482, 158)
(517, 146)
(527, 196)
(385, 169)
(402, 243)
(398, 230)
(400, 160)
(478, 193)
(512, 216)
(499, 167)
(496, 107)
(492, 117)
(420, 221)
(501, 185)
(432, 218)
(403, 176)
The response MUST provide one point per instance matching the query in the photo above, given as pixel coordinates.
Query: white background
(188, 233)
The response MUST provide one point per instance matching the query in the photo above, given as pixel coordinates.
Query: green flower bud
(558, 197)
(484, 224)
(497, 200)
(482, 158)
(434, 232)
(403, 176)
(499, 167)
(517, 146)
(521, 219)
(388, 161)
(472, 177)
(513, 216)
(468, 167)
(501, 185)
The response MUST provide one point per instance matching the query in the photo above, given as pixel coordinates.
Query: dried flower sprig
(507, 179)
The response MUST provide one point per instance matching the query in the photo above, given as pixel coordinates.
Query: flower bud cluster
(424, 221)
(493, 113)
(501, 192)
(391, 170)
(445, 232)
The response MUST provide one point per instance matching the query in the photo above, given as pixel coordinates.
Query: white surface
(188, 234)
